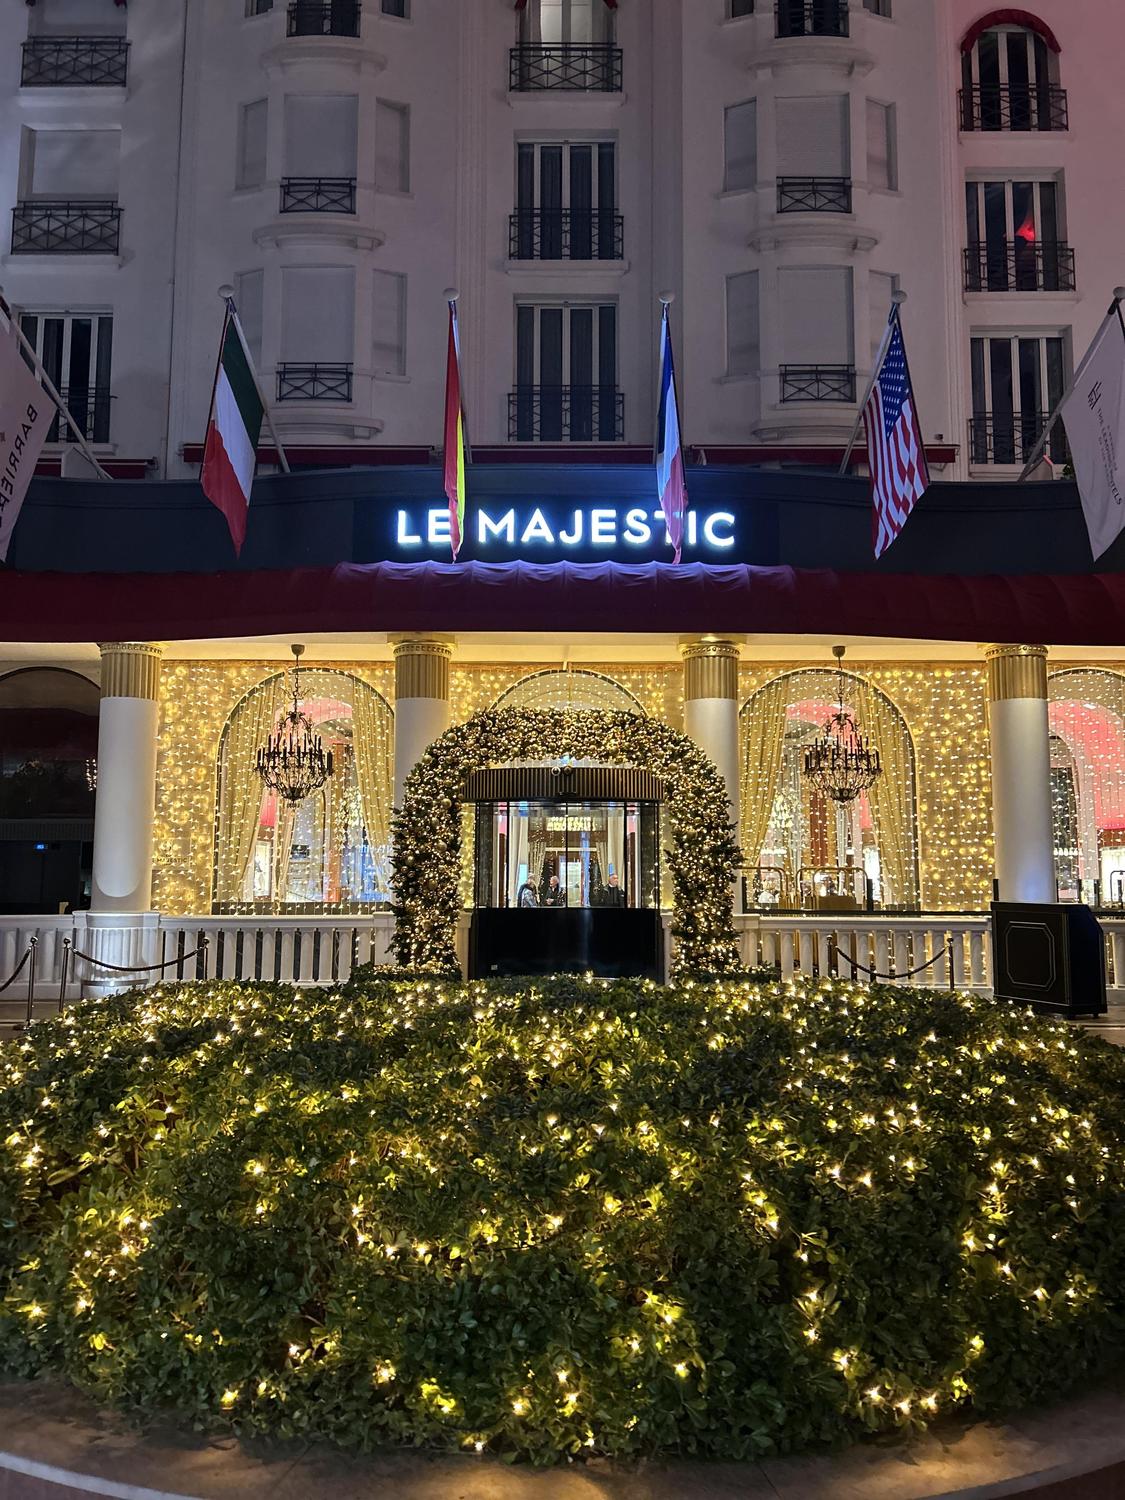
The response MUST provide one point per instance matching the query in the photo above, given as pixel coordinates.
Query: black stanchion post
(203, 946)
(32, 945)
(62, 976)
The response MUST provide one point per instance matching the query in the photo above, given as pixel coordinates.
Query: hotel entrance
(567, 871)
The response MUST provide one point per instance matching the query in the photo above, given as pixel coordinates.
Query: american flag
(896, 454)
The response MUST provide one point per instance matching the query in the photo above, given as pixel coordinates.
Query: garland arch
(427, 831)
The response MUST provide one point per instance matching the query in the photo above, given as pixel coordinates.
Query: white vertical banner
(1094, 414)
(26, 413)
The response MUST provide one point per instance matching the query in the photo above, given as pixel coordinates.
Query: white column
(1021, 772)
(421, 702)
(711, 709)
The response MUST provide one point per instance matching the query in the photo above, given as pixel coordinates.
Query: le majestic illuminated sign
(505, 532)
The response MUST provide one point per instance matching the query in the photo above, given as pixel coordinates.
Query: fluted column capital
(130, 669)
(1016, 672)
(710, 668)
(422, 667)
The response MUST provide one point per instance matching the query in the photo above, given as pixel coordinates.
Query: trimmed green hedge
(543, 1219)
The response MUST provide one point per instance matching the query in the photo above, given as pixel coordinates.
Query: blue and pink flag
(671, 485)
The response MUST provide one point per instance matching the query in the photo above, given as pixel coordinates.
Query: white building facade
(783, 168)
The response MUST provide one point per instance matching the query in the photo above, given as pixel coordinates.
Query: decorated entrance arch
(427, 830)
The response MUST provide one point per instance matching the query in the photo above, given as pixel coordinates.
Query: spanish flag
(454, 435)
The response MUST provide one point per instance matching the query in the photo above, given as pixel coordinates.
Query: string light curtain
(373, 745)
(240, 790)
(892, 799)
(1087, 715)
(577, 690)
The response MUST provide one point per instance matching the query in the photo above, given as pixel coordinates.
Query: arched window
(579, 689)
(1010, 75)
(804, 850)
(1087, 712)
(333, 849)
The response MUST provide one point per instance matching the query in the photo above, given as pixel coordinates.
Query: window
(812, 137)
(743, 351)
(400, 8)
(248, 288)
(317, 333)
(320, 135)
(878, 7)
(392, 147)
(71, 164)
(1009, 81)
(76, 350)
(882, 165)
(740, 146)
(736, 9)
(251, 171)
(388, 343)
(76, 18)
(1016, 241)
(566, 195)
(258, 7)
(566, 374)
(1017, 381)
(817, 333)
(567, 23)
(881, 287)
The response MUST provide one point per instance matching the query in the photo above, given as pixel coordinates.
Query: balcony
(811, 18)
(1010, 106)
(89, 406)
(318, 195)
(1010, 438)
(323, 18)
(589, 69)
(566, 413)
(1019, 266)
(814, 195)
(566, 234)
(66, 228)
(315, 382)
(817, 382)
(75, 62)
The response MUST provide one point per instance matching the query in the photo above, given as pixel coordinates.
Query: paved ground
(1111, 1026)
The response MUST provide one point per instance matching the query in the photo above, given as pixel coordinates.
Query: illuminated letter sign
(542, 532)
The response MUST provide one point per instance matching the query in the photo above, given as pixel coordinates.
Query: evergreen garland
(702, 858)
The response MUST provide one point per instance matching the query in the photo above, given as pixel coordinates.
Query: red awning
(613, 598)
(1009, 17)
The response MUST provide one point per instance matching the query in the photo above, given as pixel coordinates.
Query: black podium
(613, 944)
(1050, 957)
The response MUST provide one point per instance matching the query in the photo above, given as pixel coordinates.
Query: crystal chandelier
(842, 762)
(293, 762)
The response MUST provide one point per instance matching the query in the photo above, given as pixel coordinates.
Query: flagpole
(48, 385)
(897, 299)
(1114, 310)
(226, 292)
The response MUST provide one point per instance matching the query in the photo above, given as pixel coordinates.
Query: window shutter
(816, 315)
(881, 170)
(743, 345)
(740, 146)
(388, 344)
(251, 171)
(74, 163)
(812, 137)
(318, 314)
(392, 147)
(320, 135)
(248, 287)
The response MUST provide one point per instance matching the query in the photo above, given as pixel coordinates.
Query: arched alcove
(570, 690)
(1087, 716)
(800, 848)
(333, 850)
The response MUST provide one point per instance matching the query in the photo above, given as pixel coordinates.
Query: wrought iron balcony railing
(566, 234)
(323, 18)
(67, 61)
(1019, 266)
(566, 413)
(1013, 106)
(66, 228)
(593, 68)
(315, 382)
(817, 382)
(814, 195)
(89, 406)
(811, 18)
(1010, 438)
(318, 195)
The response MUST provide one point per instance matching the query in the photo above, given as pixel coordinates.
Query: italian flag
(230, 452)
(454, 445)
